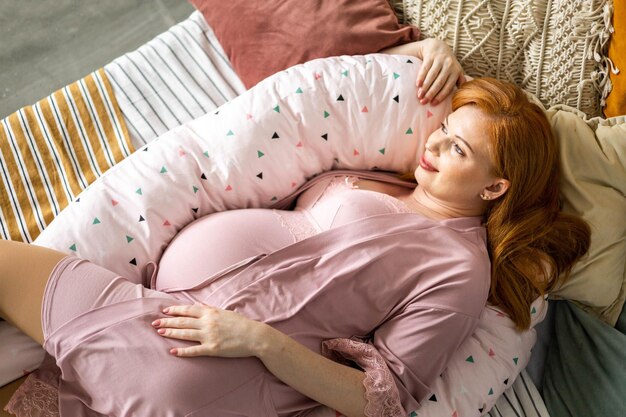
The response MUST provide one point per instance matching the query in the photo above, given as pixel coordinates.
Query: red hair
(532, 244)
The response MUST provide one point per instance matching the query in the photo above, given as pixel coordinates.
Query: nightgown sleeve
(404, 356)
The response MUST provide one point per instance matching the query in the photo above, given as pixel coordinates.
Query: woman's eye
(458, 149)
(443, 128)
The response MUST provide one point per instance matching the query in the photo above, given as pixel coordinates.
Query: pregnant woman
(356, 298)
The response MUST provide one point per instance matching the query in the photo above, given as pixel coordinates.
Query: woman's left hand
(220, 332)
(440, 71)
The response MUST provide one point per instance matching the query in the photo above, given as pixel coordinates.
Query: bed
(185, 73)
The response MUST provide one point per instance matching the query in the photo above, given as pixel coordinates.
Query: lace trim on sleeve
(34, 398)
(381, 394)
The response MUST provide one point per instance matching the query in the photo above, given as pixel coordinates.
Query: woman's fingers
(187, 317)
(177, 323)
(438, 85)
(181, 334)
(194, 310)
(190, 351)
(445, 90)
(444, 75)
(421, 74)
(429, 82)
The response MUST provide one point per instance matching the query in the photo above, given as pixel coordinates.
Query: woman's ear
(497, 188)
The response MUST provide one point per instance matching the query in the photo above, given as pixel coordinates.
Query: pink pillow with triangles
(346, 112)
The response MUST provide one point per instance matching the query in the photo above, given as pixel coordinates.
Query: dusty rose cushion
(262, 37)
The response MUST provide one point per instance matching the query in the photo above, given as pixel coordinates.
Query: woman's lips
(424, 164)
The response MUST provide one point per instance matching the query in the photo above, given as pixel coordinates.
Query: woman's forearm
(228, 334)
(335, 385)
(411, 49)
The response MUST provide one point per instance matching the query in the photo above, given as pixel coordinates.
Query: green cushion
(585, 372)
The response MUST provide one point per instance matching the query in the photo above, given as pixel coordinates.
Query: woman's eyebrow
(464, 141)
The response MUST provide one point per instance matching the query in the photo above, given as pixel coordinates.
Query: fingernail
(166, 310)
(434, 102)
(161, 331)
(156, 323)
(420, 83)
(424, 101)
(174, 351)
(420, 93)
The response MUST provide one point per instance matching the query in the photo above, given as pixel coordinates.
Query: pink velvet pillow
(262, 37)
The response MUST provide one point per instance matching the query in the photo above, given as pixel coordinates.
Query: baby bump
(215, 242)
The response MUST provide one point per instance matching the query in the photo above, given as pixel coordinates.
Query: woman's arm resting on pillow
(229, 334)
(327, 382)
(440, 70)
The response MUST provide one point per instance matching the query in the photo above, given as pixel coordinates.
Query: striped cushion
(178, 76)
(51, 151)
(520, 400)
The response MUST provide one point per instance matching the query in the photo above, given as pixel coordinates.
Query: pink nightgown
(324, 274)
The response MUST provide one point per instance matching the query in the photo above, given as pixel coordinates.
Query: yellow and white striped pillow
(51, 151)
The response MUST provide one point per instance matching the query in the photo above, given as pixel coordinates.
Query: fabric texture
(38, 395)
(181, 74)
(616, 101)
(77, 286)
(264, 37)
(587, 380)
(555, 50)
(54, 149)
(593, 160)
(34, 398)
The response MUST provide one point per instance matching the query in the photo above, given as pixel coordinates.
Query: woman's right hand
(219, 332)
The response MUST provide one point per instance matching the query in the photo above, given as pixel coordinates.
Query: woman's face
(456, 167)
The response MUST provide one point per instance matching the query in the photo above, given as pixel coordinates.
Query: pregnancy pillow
(336, 113)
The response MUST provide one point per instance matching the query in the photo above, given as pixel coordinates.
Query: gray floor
(47, 44)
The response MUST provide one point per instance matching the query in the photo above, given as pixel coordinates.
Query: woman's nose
(437, 144)
(433, 146)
